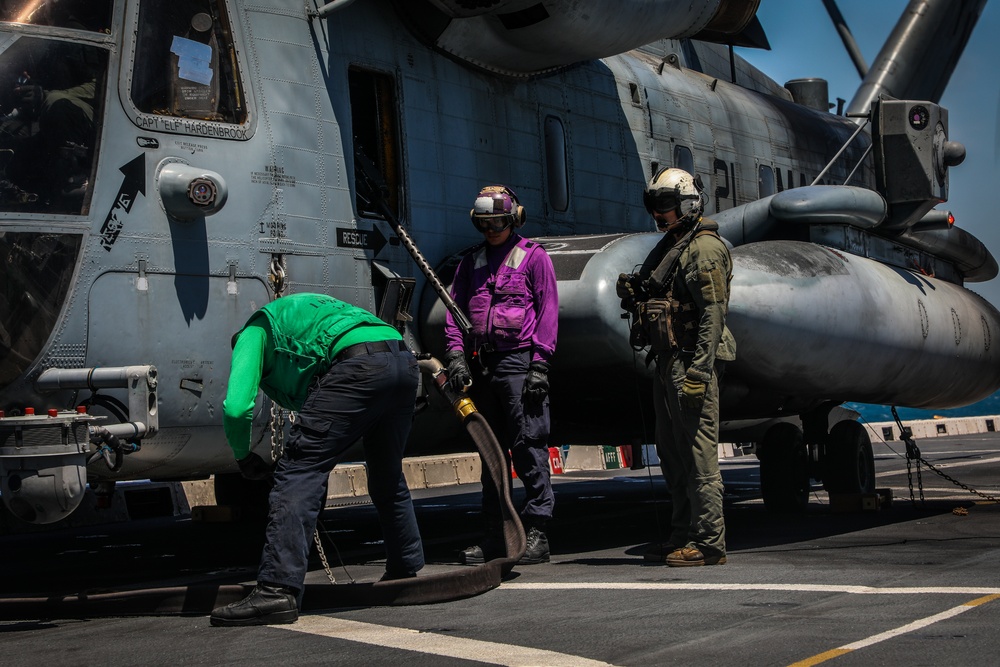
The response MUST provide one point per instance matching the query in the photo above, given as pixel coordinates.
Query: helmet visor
(662, 201)
(492, 223)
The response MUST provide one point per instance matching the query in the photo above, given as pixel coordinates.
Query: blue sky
(804, 43)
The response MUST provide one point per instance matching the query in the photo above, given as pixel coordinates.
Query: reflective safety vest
(307, 332)
(498, 308)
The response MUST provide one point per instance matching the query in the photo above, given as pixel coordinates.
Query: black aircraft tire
(849, 464)
(784, 477)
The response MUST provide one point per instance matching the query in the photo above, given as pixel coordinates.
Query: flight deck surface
(910, 583)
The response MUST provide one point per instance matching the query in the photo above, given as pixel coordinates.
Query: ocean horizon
(881, 413)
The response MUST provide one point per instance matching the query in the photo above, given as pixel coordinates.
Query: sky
(805, 43)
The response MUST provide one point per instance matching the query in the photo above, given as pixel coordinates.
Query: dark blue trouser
(369, 396)
(523, 431)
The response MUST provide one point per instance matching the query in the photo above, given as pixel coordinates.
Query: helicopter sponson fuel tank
(814, 321)
(525, 37)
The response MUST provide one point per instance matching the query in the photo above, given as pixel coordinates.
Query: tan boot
(692, 557)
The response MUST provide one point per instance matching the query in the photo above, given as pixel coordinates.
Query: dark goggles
(661, 201)
(492, 223)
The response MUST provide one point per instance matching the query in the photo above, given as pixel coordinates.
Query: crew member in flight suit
(679, 301)
(349, 376)
(507, 286)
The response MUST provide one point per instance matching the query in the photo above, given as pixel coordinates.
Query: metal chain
(909, 480)
(277, 277)
(920, 480)
(322, 557)
(277, 431)
(913, 454)
(985, 496)
(326, 564)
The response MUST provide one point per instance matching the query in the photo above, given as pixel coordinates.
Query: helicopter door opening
(375, 124)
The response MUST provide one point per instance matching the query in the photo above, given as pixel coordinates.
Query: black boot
(266, 605)
(490, 547)
(537, 550)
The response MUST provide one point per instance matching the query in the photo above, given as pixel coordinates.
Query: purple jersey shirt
(509, 293)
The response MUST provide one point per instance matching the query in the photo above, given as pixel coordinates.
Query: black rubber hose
(495, 461)
(101, 435)
(111, 404)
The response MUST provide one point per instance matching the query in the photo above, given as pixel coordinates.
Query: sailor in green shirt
(349, 376)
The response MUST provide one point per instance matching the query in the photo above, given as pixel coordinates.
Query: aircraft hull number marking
(133, 184)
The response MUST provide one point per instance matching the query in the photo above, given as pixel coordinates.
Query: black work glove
(624, 285)
(459, 375)
(253, 467)
(627, 291)
(536, 383)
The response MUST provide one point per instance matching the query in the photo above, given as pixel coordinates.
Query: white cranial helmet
(673, 189)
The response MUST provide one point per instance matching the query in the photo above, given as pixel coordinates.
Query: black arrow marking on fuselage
(361, 238)
(133, 183)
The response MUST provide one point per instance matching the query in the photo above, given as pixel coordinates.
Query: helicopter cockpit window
(185, 62)
(50, 119)
(93, 15)
(35, 277)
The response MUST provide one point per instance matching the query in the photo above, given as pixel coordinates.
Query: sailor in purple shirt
(507, 286)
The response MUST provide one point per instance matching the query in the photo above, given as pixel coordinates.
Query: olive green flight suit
(687, 441)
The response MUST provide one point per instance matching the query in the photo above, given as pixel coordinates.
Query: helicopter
(168, 168)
